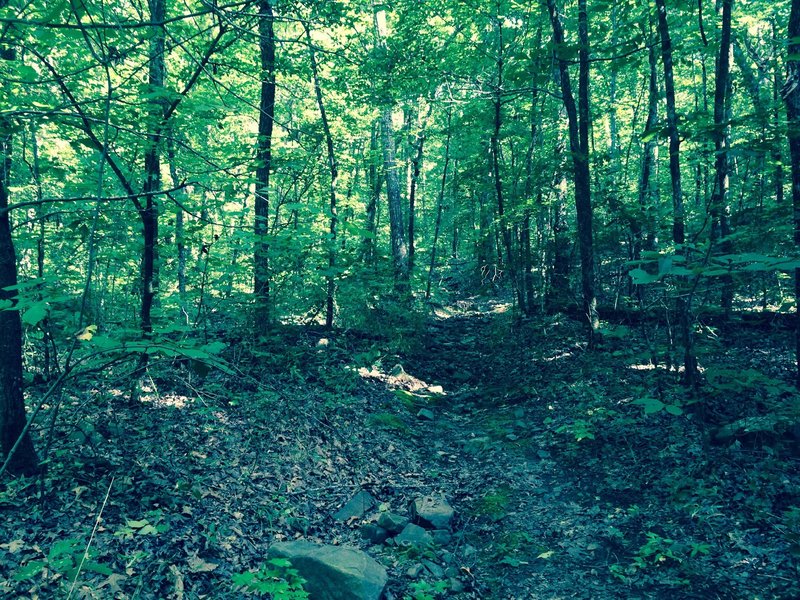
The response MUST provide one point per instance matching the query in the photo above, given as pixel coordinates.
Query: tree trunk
(23, 459)
(416, 169)
(375, 182)
(578, 123)
(180, 233)
(396, 229)
(152, 168)
(719, 199)
(645, 237)
(678, 227)
(791, 96)
(682, 304)
(439, 203)
(333, 173)
(266, 120)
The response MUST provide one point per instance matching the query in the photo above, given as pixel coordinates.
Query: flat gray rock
(433, 512)
(333, 572)
(392, 522)
(413, 535)
(356, 507)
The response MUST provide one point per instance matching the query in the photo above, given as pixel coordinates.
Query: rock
(333, 572)
(433, 512)
(425, 414)
(374, 534)
(414, 571)
(357, 506)
(442, 537)
(392, 522)
(413, 535)
(433, 568)
(456, 586)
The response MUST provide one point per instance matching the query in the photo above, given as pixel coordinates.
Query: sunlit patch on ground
(398, 378)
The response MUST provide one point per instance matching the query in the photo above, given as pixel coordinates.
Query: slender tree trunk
(719, 199)
(647, 190)
(180, 233)
(375, 182)
(505, 229)
(683, 304)
(791, 96)
(266, 120)
(152, 168)
(678, 227)
(333, 172)
(416, 169)
(439, 203)
(13, 420)
(396, 228)
(777, 157)
(578, 122)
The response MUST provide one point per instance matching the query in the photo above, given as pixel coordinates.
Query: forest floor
(563, 487)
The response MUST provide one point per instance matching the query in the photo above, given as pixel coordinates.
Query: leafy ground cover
(574, 473)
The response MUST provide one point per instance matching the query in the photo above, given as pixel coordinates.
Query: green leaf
(650, 405)
(642, 277)
(32, 569)
(673, 409)
(36, 314)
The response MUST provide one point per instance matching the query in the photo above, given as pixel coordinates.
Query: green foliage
(494, 504)
(580, 429)
(275, 579)
(386, 420)
(423, 590)
(653, 405)
(65, 557)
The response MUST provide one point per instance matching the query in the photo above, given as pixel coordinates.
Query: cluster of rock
(347, 573)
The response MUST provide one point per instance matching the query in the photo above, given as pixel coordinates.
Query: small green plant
(386, 420)
(275, 579)
(580, 429)
(151, 525)
(65, 557)
(494, 504)
(422, 590)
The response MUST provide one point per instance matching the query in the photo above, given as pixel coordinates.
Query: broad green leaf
(650, 405)
(35, 314)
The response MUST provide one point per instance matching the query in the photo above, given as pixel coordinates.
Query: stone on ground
(333, 572)
(356, 507)
(413, 535)
(433, 512)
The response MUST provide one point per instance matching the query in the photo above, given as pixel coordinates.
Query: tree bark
(13, 420)
(152, 168)
(439, 203)
(678, 218)
(266, 120)
(333, 173)
(791, 96)
(578, 124)
(719, 199)
(396, 229)
(375, 182)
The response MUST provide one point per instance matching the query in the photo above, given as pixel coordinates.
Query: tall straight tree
(578, 125)
(396, 230)
(13, 421)
(683, 305)
(148, 211)
(266, 120)
(333, 173)
(719, 209)
(678, 219)
(791, 96)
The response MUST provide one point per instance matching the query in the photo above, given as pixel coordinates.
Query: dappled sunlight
(398, 378)
(651, 367)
